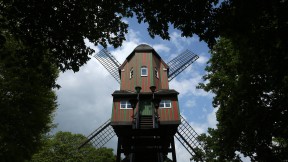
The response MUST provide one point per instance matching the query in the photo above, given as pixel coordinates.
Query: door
(145, 107)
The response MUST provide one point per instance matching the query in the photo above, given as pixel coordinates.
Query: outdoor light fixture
(153, 88)
(138, 89)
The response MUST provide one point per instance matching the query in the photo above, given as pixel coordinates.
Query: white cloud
(161, 48)
(190, 103)
(209, 123)
(188, 86)
(202, 59)
(78, 98)
(128, 46)
(180, 42)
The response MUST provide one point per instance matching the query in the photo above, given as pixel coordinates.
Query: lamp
(153, 88)
(138, 89)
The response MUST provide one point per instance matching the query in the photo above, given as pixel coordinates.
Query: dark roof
(161, 92)
(143, 47)
(166, 91)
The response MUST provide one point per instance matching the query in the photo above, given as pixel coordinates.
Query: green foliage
(61, 26)
(63, 147)
(27, 100)
(252, 97)
(248, 70)
(212, 148)
(248, 73)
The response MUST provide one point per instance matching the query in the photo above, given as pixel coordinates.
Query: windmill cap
(143, 47)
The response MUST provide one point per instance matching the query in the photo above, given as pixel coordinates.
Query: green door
(145, 107)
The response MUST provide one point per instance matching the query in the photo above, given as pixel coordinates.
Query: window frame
(156, 73)
(131, 73)
(127, 103)
(165, 104)
(144, 68)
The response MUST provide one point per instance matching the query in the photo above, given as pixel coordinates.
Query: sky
(85, 101)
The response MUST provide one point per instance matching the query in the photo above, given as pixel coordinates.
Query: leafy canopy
(247, 71)
(252, 97)
(60, 27)
(27, 100)
(63, 147)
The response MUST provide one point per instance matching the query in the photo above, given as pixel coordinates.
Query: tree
(252, 97)
(253, 90)
(63, 147)
(212, 148)
(60, 27)
(27, 100)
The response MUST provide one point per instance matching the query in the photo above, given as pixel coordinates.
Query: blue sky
(85, 97)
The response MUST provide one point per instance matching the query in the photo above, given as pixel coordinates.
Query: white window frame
(165, 104)
(126, 103)
(144, 68)
(156, 73)
(131, 73)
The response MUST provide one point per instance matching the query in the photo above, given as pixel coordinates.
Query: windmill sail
(180, 63)
(187, 136)
(109, 62)
(100, 136)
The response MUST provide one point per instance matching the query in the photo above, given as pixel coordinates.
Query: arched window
(131, 73)
(144, 71)
(165, 104)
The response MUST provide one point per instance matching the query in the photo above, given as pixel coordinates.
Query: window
(131, 73)
(125, 105)
(156, 73)
(144, 71)
(165, 104)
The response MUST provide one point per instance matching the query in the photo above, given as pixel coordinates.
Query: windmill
(145, 112)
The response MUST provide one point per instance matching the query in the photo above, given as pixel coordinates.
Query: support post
(173, 149)
(118, 158)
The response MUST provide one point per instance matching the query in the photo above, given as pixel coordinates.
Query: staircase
(146, 122)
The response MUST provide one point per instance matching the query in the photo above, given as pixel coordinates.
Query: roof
(162, 92)
(142, 48)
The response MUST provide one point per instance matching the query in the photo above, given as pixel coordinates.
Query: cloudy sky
(85, 100)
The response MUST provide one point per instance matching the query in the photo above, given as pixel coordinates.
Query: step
(146, 122)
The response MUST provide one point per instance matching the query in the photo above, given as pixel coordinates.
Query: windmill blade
(180, 63)
(109, 62)
(100, 136)
(187, 136)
